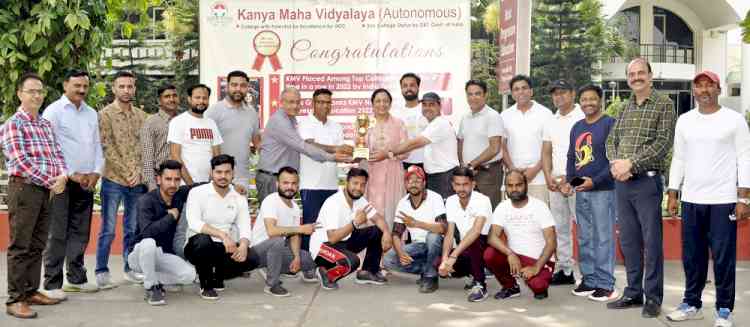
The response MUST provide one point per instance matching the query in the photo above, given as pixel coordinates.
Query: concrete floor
(396, 304)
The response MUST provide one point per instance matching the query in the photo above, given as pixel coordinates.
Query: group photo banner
(349, 47)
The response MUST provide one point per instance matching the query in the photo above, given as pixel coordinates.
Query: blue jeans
(112, 194)
(595, 215)
(423, 253)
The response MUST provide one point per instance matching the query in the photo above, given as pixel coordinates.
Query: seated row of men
(458, 238)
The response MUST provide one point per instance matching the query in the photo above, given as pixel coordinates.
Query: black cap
(560, 84)
(430, 96)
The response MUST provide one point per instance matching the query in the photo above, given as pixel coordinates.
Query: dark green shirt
(644, 133)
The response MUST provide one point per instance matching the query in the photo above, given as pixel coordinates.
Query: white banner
(351, 47)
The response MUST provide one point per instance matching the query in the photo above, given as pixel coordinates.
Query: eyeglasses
(35, 92)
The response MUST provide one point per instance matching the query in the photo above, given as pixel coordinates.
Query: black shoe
(366, 277)
(428, 285)
(155, 295)
(507, 293)
(325, 283)
(420, 280)
(209, 294)
(478, 293)
(625, 303)
(560, 278)
(541, 295)
(219, 285)
(651, 309)
(276, 290)
(583, 289)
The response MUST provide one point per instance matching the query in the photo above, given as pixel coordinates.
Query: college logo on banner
(219, 14)
(267, 44)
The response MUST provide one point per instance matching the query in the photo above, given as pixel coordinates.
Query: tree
(569, 39)
(745, 24)
(181, 24)
(48, 37)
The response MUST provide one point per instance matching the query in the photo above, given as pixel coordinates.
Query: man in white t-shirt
(421, 213)
(277, 234)
(480, 141)
(194, 139)
(349, 224)
(466, 235)
(318, 179)
(440, 147)
(554, 162)
(530, 231)
(524, 122)
(213, 212)
(411, 115)
(711, 166)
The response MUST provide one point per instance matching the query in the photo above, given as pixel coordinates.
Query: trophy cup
(361, 151)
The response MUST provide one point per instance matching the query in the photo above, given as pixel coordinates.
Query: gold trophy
(361, 151)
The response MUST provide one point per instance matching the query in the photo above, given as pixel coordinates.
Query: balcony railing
(663, 53)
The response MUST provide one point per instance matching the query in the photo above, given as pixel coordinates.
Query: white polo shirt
(557, 132)
(479, 206)
(205, 206)
(476, 129)
(431, 207)
(441, 154)
(273, 207)
(314, 175)
(415, 123)
(524, 226)
(524, 134)
(334, 214)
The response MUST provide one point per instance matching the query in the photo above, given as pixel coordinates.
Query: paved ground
(397, 304)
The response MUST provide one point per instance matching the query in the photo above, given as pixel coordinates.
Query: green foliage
(491, 17)
(569, 39)
(615, 107)
(181, 24)
(48, 37)
(745, 25)
(483, 61)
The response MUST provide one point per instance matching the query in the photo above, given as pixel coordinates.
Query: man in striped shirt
(154, 133)
(36, 167)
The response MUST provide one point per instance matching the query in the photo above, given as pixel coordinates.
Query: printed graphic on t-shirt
(584, 150)
(202, 134)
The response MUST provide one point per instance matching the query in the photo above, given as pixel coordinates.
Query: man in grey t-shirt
(238, 123)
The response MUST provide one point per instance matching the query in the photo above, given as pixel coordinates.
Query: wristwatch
(745, 201)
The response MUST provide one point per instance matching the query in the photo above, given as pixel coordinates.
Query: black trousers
(213, 264)
(28, 217)
(440, 183)
(704, 227)
(69, 231)
(362, 238)
(640, 220)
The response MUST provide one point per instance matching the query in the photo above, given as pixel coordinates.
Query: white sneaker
(309, 276)
(104, 281)
(723, 318)
(685, 312)
(133, 277)
(56, 294)
(83, 288)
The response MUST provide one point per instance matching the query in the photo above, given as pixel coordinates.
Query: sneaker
(366, 277)
(219, 285)
(155, 295)
(209, 294)
(583, 289)
(325, 283)
(541, 295)
(684, 312)
(478, 293)
(289, 276)
(309, 276)
(603, 295)
(276, 290)
(172, 288)
(561, 278)
(428, 285)
(56, 294)
(133, 277)
(82, 288)
(104, 281)
(507, 293)
(723, 318)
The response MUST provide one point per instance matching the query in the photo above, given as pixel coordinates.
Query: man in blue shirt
(76, 128)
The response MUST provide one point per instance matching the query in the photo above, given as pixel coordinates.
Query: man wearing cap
(480, 141)
(636, 148)
(422, 214)
(711, 168)
(440, 146)
(556, 138)
(524, 122)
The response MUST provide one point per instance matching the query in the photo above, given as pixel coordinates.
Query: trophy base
(361, 153)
